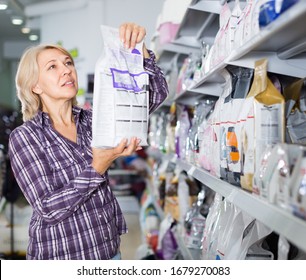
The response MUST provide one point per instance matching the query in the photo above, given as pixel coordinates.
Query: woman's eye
(52, 67)
(69, 63)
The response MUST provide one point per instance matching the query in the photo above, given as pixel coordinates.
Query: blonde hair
(27, 76)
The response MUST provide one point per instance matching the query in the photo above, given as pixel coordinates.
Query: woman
(75, 213)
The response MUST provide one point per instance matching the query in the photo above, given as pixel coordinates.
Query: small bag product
(120, 100)
(295, 95)
(230, 126)
(298, 188)
(194, 238)
(262, 122)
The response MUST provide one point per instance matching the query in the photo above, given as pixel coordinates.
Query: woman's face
(57, 77)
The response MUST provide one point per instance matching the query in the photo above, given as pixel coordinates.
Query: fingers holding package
(103, 158)
(131, 34)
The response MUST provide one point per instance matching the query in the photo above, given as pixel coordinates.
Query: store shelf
(113, 172)
(295, 67)
(191, 96)
(283, 44)
(272, 43)
(211, 6)
(194, 24)
(177, 48)
(268, 43)
(282, 222)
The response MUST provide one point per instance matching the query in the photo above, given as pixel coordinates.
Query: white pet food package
(121, 96)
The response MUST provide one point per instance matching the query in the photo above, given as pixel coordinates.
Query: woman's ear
(36, 89)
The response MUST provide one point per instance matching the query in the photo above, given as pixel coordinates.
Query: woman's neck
(60, 115)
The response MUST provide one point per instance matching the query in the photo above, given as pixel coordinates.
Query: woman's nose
(66, 69)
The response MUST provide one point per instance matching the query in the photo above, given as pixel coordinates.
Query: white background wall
(76, 23)
(80, 28)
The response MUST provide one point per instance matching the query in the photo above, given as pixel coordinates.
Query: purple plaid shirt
(75, 213)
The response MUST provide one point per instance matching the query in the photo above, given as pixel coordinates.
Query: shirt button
(100, 216)
(83, 154)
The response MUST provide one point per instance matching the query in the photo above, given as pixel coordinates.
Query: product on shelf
(167, 247)
(233, 25)
(232, 234)
(241, 79)
(170, 129)
(182, 130)
(194, 236)
(242, 139)
(295, 96)
(195, 135)
(217, 159)
(261, 120)
(270, 10)
(298, 187)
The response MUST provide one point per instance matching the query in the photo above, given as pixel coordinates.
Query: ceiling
(11, 32)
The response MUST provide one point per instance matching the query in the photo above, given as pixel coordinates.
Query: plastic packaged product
(205, 152)
(209, 154)
(298, 187)
(233, 25)
(231, 140)
(267, 13)
(225, 229)
(170, 129)
(221, 40)
(283, 247)
(167, 245)
(211, 220)
(232, 240)
(271, 10)
(239, 33)
(161, 132)
(295, 96)
(255, 28)
(202, 109)
(247, 25)
(261, 172)
(181, 132)
(253, 232)
(195, 237)
(221, 122)
(120, 100)
(153, 130)
(261, 120)
(257, 252)
(279, 186)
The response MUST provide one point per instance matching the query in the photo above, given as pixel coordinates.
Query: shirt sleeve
(33, 175)
(158, 87)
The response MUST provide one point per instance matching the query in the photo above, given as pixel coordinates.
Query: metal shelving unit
(283, 43)
(281, 221)
(286, 54)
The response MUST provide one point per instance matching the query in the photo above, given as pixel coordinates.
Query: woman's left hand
(130, 34)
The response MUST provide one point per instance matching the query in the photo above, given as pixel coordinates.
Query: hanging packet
(120, 100)
(216, 161)
(295, 96)
(262, 122)
(298, 187)
(231, 140)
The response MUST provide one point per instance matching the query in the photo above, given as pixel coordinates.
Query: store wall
(78, 27)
